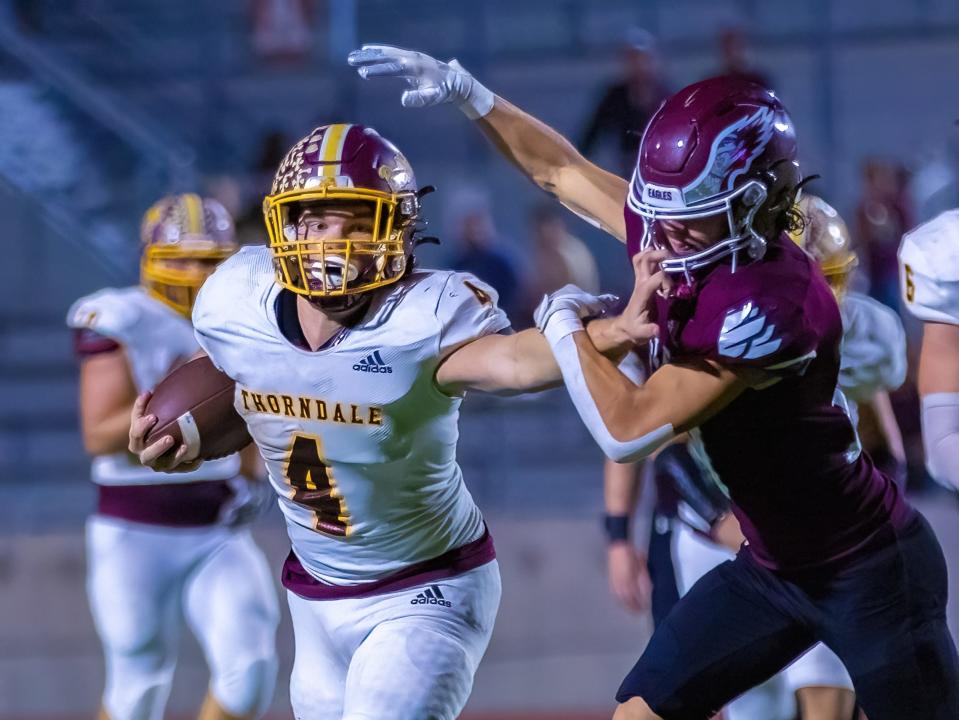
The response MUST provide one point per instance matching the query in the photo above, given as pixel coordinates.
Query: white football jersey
(873, 348)
(155, 337)
(359, 442)
(929, 269)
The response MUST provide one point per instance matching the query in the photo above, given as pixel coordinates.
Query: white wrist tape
(561, 323)
(940, 437)
(477, 98)
(621, 451)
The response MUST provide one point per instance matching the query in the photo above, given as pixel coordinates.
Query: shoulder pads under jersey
(111, 312)
(929, 269)
(467, 310)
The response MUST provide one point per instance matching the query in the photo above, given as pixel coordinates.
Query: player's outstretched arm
(523, 362)
(541, 153)
(939, 391)
(630, 421)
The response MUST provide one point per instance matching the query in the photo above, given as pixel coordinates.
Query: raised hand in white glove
(561, 313)
(431, 81)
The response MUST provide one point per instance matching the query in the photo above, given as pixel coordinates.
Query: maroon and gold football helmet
(184, 238)
(336, 165)
(824, 235)
(723, 146)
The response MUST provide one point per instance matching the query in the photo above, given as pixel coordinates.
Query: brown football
(194, 404)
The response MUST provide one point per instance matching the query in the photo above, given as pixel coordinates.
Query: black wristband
(617, 527)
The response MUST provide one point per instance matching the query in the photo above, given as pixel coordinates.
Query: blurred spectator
(627, 105)
(736, 58)
(474, 238)
(884, 213)
(557, 258)
(282, 29)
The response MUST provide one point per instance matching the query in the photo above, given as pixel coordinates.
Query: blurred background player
(929, 261)
(164, 546)
(351, 366)
(746, 353)
(692, 529)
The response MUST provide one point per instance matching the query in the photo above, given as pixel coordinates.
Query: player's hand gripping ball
(193, 405)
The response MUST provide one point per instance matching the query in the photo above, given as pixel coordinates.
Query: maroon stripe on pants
(192, 504)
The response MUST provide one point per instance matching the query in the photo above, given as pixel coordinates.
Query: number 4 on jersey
(313, 486)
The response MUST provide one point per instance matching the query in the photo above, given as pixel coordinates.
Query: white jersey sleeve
(222, 314)
(873, 348)
(155, 338)
(467, 309)
(111, 312)
(929, 269)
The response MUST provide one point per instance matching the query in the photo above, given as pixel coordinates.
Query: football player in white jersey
(693, 531)
(351, 365)
(162, 546)
(929, 267)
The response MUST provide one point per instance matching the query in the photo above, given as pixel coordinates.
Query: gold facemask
(178, 287)
(302, 265)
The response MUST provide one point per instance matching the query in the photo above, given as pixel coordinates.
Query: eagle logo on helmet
(732, 155)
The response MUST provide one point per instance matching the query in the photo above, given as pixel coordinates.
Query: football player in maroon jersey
(747, 360)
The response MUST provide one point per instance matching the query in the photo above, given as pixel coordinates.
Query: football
(194, 404)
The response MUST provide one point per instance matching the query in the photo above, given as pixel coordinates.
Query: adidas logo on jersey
(431, 596)
(373, 363)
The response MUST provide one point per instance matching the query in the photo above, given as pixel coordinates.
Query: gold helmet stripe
(194, 212)
(331, 151)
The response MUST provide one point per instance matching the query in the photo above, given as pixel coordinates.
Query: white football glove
(561, 312)
(251, 500)
(431, 81)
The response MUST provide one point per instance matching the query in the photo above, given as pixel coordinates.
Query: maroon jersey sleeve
(760, 319)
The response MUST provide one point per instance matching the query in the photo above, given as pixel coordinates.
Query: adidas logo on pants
(431, 596)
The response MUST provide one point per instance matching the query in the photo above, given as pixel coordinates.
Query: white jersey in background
(359, 442)
(929, 274)
(873, 354)
(929, 267)
(155, 338)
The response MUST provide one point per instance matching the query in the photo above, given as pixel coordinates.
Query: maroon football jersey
(803, 491)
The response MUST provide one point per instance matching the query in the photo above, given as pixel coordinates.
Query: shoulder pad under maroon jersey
(771, 314)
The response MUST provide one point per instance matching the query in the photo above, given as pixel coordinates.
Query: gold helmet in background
(824, 236)
(184, 238)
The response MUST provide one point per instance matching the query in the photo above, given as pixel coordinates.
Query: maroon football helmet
(723, 145)
(337, 164)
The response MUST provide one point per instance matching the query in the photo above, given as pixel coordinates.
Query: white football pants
(143, 579)
(399, 656)
(693, 557)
